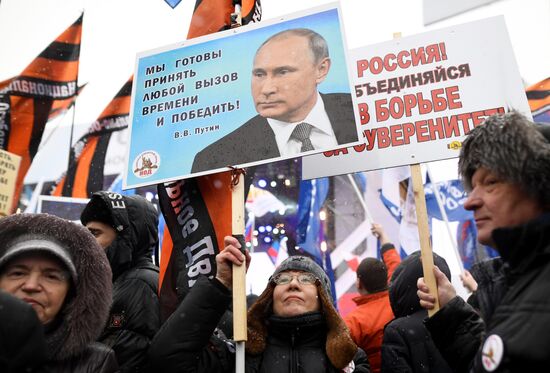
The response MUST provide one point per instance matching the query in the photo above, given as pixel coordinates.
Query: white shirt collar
(317, 117)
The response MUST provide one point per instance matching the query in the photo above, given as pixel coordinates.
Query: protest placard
(9, 167)
(233, 98)
(418, 96)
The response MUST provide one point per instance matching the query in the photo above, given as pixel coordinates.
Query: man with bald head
(293, 116)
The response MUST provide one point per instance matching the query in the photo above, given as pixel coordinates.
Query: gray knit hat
(514, 148)
(28, 243)
(304, 264)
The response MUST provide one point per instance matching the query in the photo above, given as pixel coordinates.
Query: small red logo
(146, 164)
(117, 320)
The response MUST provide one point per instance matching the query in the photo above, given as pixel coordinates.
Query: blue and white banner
(452, 196)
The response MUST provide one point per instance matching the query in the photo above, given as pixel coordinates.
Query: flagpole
(74, 106)
(361, 198)
(71, 136)
(445, 219)
(239, 272)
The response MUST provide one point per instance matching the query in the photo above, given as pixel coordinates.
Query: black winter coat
(297, 344)
(22, 342)
(491, 286)
(517, 335)
(134, 318)
(407, 346)
(187, 342)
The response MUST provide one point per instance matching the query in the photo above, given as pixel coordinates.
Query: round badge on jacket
(492, 352)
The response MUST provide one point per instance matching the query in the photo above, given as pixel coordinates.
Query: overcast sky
(115, 30)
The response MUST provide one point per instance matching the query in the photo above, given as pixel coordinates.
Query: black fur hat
(514, 148)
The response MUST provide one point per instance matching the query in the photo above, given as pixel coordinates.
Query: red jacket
(366, 322)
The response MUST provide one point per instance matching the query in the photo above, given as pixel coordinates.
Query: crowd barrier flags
(27, 100)
(85, 173)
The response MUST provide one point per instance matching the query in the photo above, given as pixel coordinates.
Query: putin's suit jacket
(255, 140)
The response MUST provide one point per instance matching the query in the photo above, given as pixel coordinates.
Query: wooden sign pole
(423, 228)
(424, 234)
(239, 272)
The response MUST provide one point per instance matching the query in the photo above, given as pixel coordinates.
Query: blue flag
(466, 237)
(452, 198)
(309, 232)
(470, 250)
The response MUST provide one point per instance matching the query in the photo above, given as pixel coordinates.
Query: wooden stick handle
(239, 272)
(424, 234)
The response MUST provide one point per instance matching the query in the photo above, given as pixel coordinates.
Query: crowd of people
(84, 298)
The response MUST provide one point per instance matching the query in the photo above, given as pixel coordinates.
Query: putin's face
(285, 78)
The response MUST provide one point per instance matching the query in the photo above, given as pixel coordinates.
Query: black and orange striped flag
(538, 96)
(87, 157)
(27, 100)
(211, 16)
(59, 107)
(197, 211)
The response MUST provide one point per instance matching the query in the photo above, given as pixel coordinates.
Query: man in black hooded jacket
(505, 166)
(127, 228)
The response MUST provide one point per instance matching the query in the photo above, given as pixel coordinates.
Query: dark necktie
(301, 133)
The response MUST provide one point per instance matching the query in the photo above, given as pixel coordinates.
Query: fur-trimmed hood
(85, 311)
(339, 347)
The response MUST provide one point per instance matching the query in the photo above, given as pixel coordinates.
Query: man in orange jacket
(373, 312)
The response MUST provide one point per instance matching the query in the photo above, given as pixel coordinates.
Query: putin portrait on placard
(293, 116)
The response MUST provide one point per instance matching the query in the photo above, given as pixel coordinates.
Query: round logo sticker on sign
(146, 164)
(492, 353)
